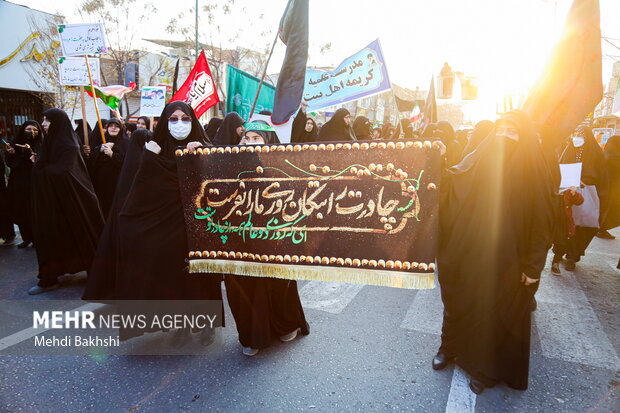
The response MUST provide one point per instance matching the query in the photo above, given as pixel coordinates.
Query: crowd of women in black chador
(499, 212)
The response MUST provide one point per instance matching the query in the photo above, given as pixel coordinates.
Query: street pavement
(369, 350)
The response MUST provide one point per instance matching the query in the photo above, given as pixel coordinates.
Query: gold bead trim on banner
(308, 259)
(308, 147)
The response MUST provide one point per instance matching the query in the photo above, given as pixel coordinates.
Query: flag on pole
(290, 87)
(416, 114)
(571, 85)
(199, 89)
(430, 106)
(110, 95)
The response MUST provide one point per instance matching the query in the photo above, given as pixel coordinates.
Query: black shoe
(23, 244)
(441, 360)
(181, 337)
(476, 386)
(207, 336)
(605, 234)
(570, 264)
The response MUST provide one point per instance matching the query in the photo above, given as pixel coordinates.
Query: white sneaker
(249, 351)
(39, 290)
(290, 336)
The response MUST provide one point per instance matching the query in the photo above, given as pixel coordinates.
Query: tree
(43, 70)
(218, 44)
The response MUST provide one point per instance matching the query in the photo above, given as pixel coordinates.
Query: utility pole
(196, 30)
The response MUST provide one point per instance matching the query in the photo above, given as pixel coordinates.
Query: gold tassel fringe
(408, 280)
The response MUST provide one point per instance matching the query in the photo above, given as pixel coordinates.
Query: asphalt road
(369, 349)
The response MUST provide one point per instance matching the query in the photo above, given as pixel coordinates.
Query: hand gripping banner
(362, 212)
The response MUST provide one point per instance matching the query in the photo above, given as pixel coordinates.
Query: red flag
(572, 84)
(199, 89)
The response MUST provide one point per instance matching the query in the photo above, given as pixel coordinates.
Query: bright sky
(502, 42)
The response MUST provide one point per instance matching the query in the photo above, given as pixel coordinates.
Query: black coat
(152, 240)
(20, 179)
(101, 284)
(496, 221)
(105, 170)
(67, 219)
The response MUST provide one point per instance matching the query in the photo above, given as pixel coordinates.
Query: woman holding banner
(151, 228)
(264, 308)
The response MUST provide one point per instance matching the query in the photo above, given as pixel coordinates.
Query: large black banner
(363, 212)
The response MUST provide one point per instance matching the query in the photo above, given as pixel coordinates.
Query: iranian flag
(416, 114)
(111, 95)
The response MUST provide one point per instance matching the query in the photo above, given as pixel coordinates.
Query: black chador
(105, 163)
(496, 220)
(25, 144)
(227, 133)
(67, 220)
(101, 283)
(152, 240)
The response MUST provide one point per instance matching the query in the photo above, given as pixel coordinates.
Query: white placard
(152, 100)
(571, 175)
(82, 39)
(73, 71)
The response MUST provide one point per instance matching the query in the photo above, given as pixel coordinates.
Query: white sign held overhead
(152, 100)
(82, 39)
(73, 71)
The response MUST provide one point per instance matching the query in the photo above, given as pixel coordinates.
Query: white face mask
(180, 130)
(578, 142)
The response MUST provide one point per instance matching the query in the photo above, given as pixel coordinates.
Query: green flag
(241, 91)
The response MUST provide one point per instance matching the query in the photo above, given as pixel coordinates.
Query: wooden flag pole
(92, 88)
(84, 122)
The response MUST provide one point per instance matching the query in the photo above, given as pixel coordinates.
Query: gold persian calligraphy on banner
(367, 210)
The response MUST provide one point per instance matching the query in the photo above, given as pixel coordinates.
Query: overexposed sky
(503, 42)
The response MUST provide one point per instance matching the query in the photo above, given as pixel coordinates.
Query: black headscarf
(23, 138)
(94, 138)
(67, 220)
(79, 130)
(407, 128)
(336, 129)
(454, 151)
(227, 133)
(162, 135)
(212, 127)
(362, 128)
(270, 136)
(130, 127)
(480, 132)
(147, 121)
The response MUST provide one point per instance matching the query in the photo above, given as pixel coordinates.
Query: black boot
(476, 385)
(441, 360)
